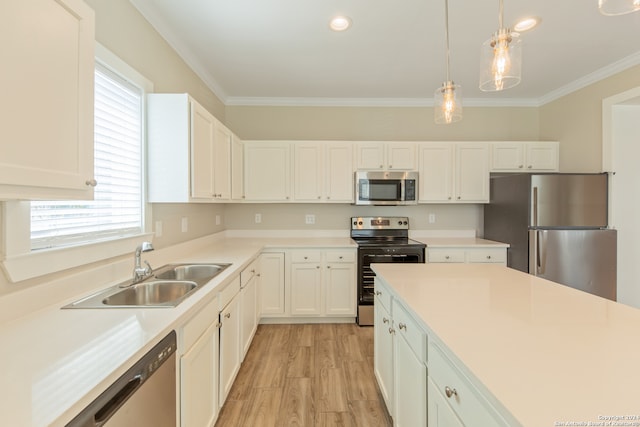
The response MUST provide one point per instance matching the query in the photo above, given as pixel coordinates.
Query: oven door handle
(387, 256)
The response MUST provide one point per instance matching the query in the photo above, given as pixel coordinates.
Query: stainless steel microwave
(386, 188)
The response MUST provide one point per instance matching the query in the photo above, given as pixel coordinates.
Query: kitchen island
(532, 352)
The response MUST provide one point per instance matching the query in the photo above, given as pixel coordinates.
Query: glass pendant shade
(618, 7)
(501, 61)
(447, 106)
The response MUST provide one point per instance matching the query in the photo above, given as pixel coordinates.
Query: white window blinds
(117, 209)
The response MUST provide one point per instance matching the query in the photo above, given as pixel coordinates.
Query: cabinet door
(306, 289)
(542, 156)
(199, 381)
(370, 155)
(401, 156)
(472, 173)
(46, 109)
(383, 352)
(221, 162)
(440, 413)
(271, 283)
(338, 171)
(508, 156)
(267, 171)
(340, 289)
(229, 347)
(202, 136)
(436, 172)
(308, 172)
(248, 313)
(237, 168)
(410, 407)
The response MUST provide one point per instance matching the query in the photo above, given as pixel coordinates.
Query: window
(118, 206)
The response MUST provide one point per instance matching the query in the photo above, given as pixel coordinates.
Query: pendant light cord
(501, 14)
(446, 29)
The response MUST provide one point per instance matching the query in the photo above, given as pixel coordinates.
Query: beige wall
(380, 123)
(576, 121)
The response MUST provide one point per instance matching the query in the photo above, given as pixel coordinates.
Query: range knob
(359, 222)
(405, 222)
(399, 222)
(355, 222)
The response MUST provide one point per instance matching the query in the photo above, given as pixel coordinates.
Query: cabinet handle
(340, 257)
(390, 166)
(385, 320)
(378, 293)
(306, 258)
(520, 166)
(488, 256)
(449, 198)
(319, 197)
(228, 315)
(446, 257)
(402, 326)
(458, 197)
(392, 331)
(287, 197)
(218, 325)
(381, 166)
(317, 266)
(529, 167)
(258, 275)
(328, 197)
(328, 266)
(91, 182)
(450, 391)
(253, 271)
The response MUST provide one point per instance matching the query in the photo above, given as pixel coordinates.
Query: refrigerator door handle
(537, 252)
(535, 207)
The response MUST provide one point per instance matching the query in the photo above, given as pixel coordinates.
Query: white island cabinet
(505, 348)
(46, 108)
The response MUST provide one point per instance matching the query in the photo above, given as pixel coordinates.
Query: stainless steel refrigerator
(556, 226)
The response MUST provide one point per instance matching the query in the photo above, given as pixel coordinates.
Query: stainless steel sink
(167, 287)
(151, 293)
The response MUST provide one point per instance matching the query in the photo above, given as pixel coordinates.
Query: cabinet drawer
(465, 401)
(414, 335)
(382, 295)
(487, 255)
(341, 256)
(306, 256)
(227, 294)
(199, 323)
(445, 255)
(248, 273)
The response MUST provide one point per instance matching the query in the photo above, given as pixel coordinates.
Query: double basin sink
(168, 286)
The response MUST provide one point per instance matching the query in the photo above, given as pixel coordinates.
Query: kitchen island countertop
(549, 354)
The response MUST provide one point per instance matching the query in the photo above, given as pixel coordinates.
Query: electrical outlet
(258, 218)
(309, 219)
(158, 228)
(432, 218)
(184, 224)
(218, 220)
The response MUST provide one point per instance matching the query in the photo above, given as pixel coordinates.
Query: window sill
(48, 261)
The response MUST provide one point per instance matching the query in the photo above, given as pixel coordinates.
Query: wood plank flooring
(316, 375)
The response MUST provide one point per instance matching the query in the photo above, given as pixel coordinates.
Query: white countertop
(548, 353)
(455, 242)
(55, 362)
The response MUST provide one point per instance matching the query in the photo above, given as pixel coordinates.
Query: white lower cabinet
(229, 339)
(323, 283)
(440, 413)
(199, 369)
(400, 347)
(271, 292)
(248, 306)
(467, 255)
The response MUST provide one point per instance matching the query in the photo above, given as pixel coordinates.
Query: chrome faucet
(139, 272)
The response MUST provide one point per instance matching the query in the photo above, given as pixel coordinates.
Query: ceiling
(282, 52)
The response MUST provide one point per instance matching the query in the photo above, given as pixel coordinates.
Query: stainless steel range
(380, 240)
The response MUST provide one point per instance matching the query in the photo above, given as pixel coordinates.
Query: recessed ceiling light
(340, 23)
(527, 23)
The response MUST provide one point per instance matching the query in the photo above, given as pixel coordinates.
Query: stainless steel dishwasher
(145, 395)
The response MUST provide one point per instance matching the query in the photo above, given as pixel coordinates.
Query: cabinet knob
(287, 197)
(488, 256)
(228, 315)
(328, 197)
(449, 198)
(319, 197)
(339, 257)
(253, 270)
(385, 320)
(91, 182)
(390, 166)
(446, 257)
(328, 266)
(378, 293)
(458, 197)
(306, 257)
(392, 331)
(450, 391)
(402, 326)
(529, 167)
(258, 275)
(317, 266)
(520, 166)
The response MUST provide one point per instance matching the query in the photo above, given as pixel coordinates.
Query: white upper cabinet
(323, 172)
(267, 171)
(386, 156)
(189, 151)
(453, 172)
(542, 156)
(237, 169)
(47, 76)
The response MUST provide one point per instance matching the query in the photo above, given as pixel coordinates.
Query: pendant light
(501, 59)
(447, 106)
(618, 7)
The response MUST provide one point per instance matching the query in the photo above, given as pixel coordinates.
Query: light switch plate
(185, 224)
(258, 218)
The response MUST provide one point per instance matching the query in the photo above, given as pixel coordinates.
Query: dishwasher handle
(103, 414)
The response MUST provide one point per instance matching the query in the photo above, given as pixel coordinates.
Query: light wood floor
(307, 375)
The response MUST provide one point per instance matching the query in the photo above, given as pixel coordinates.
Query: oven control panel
(380, 223)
